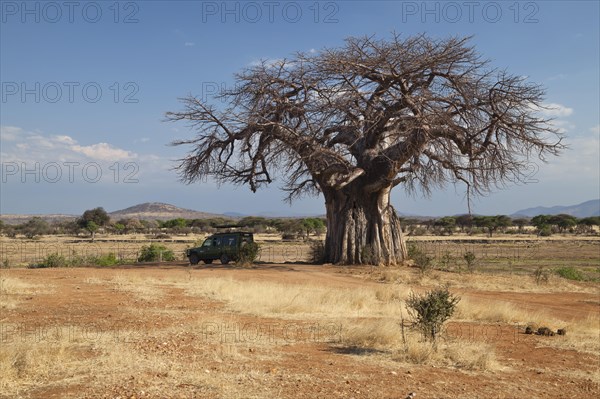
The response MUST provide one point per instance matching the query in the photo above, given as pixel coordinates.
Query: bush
(471, 261)
(52, 260)
(109, 259)
(287, 236)
(570, 273)
(430, 311)
(154, 253)
(419, 258)
(545, 231)
(541, 275)
(445, 260)
(249, 253)
(317, 252)
(416, 231)
(56, 260)
(368, 255)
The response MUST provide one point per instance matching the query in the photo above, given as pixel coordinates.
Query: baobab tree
(354, 122)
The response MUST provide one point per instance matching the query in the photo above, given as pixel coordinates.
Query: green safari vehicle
(223, 246)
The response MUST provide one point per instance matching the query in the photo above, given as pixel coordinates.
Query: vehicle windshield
(207, 242)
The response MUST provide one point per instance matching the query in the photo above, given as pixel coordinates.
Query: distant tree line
(97, 220)
(542, 225)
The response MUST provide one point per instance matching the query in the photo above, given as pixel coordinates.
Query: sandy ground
(194, 347)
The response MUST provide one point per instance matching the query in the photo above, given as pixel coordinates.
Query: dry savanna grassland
(285, 328)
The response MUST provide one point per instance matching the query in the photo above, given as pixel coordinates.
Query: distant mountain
(583, 210)
(234, 214)
(291, 215)
(274, 215)
(159, 211)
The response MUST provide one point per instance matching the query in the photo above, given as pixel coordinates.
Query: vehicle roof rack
(229, 226)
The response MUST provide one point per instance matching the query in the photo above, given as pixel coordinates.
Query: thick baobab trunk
(362, 228)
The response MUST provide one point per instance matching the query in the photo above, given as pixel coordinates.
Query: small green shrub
(570, 273)
(471, 261)
(445, 260)
(109, 259)
(430, 311)
(368, 255)
(317, 252)
(52, 260)
(249, 253)
(420, 258)
(154, 253)
(287, 236)
(541, 275)
(417, 231)
(545, 231)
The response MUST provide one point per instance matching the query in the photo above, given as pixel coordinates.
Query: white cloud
(27, 146)
(553, 110)
(579, 162)
(10, 133)
(562, 126)
(40, 141)
(595, 129)
(189, 44)
(65, 139)
(33, 150)
(103, 152)
(557, 113)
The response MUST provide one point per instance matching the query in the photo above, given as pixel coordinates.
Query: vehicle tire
(194, 259)
(207, 261)
(224, 259)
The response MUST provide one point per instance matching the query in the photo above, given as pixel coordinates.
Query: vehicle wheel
(194, 259)
(224, 259)
(208, 261)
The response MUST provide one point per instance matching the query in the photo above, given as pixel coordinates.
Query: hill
(159, 211)
(585, 209)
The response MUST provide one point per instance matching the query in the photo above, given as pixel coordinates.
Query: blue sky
(85, 86)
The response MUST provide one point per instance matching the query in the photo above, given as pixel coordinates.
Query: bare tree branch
(413, 112)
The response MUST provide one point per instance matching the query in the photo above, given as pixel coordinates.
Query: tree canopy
(356, 121)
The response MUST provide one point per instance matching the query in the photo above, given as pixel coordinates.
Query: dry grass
(284, 300)
(582, 335)
(16, 286)
(13, 290)
(74, 359)
(26, 364)
(479, 281)
(177, 355)
(496, 312)
(369, 317)
(381, 305)
(386, 335)
(383, 334)
(144, 288)
(509, 283)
